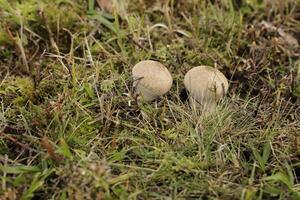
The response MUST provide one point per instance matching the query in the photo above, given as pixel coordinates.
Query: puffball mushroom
(206, 85)
(151, 79)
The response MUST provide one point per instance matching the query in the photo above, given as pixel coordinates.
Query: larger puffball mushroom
(151, 79)
(206, 85)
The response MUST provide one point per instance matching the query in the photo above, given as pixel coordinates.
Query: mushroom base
(205, 108)
(145, 94)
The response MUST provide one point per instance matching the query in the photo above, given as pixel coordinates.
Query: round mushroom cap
(206, 85)
(151, 79)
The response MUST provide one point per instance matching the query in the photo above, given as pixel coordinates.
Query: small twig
(18, 42)
(53, 43)
(138, 45)
(35, 52)
(71, 53)
(89, 54)
(14, 140)
(133, 167)
(23, 55)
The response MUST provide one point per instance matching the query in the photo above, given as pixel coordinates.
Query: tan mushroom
(206, 85)
(151, 79)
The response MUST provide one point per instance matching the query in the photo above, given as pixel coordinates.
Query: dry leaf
(118, 6)
(10, 194)
(106, 5)
(288, 38)
(268, 25)
(298, 70)
(50, 149)
(281, 6)
(275, 4)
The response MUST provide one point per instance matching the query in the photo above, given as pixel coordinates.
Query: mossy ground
(70, 126)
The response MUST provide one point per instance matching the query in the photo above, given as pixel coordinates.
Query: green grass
(70, 126)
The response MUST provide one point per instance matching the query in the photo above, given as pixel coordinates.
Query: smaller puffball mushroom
(206, 85)
(151, 79)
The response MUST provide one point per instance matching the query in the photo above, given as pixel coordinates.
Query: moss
(78, 93)
(17, 90)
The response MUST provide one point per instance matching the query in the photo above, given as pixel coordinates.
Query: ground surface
(70, 126)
